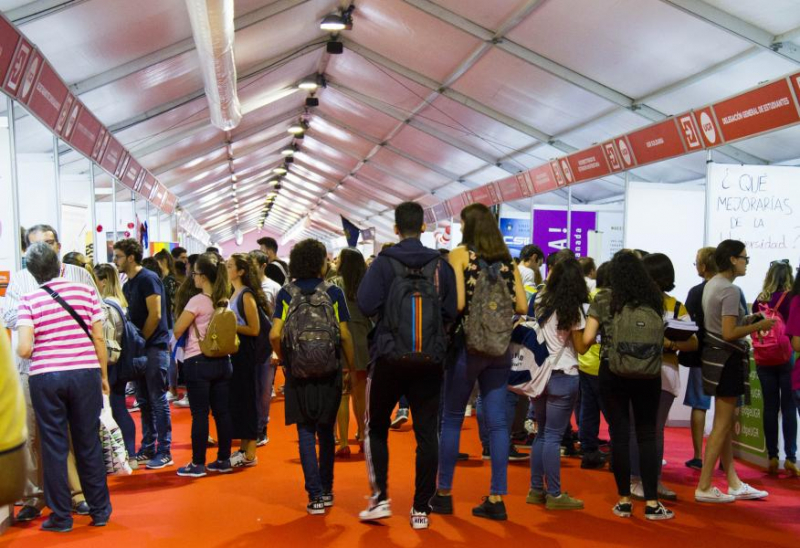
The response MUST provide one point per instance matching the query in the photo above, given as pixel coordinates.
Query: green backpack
(637, 343)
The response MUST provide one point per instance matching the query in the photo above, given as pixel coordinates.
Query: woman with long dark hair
(482, 245)
(776, 378)
(349, 273)
(207, 379)
(631, 286)
(726, 368)
(169, 278)
(249, 304)
(559, 310)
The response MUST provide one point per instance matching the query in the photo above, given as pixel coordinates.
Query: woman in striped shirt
(67, 379)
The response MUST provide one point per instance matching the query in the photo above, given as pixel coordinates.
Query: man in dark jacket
(389, 380)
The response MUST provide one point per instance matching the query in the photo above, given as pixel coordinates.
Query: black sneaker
(144, 456)
(51, 525)
(315, 506)
(485, 454)
(441, 504)
(592, 460)
(327, 499)
(28, 513)
(491, 510)
(623, 509)
(462, 456)
(658, 512)
(515, 456)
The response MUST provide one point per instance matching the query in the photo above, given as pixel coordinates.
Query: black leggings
(620, 395)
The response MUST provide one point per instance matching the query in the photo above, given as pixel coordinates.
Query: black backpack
(413, 316)
(132, 361)
(261, 344)
(311, 336)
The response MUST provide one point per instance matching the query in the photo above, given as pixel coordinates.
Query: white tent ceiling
(430, 98)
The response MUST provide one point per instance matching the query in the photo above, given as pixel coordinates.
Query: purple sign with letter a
(550, 230)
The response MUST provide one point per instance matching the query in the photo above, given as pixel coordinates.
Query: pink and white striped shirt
(59, 343)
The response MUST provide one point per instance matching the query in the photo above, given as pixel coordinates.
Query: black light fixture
(312, 101)
(289, 160)
(334, 47)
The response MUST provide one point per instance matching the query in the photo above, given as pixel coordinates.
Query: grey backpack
(311, 335)
(637, 343)
(490, 321)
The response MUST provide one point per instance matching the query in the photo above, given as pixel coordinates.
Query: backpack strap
(677, 312)
(71, 311)
(780, 301)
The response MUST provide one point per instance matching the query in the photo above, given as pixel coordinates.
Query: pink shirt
(59, 342)
(202, 308)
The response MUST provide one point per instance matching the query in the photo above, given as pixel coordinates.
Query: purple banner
(550, 230)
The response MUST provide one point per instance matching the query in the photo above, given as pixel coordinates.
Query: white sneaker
(637, 490)
(745, 492)
(468, 411)
(183, 402)
(419, 520)
(712, 495)
(376, 510)
(237, 459)
(171, 397)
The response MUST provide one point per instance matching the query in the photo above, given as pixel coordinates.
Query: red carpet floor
(266, 504)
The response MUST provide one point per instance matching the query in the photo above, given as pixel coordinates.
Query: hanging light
(298, 129)
(309, 84)
(289, 151)
(280, 170)
(333, 22)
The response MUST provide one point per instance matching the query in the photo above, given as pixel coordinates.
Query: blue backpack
(132, 360)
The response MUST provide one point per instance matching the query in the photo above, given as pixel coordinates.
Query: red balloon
(99, 228)
(127, 234)
(130, 225)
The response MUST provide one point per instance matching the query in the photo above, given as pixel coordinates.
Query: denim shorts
(695, 398)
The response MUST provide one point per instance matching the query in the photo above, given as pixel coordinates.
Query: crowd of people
(412, 329)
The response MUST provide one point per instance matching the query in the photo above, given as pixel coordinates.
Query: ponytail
(213, 267)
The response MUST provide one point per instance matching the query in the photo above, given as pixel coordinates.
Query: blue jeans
(318, 473)
(553, 410)
(492, 377)
(71, 399)
(151, 393)
(119, 410)
(664, 405)
(173, 368)
(590, 408)
(776, 384)
(483, 429)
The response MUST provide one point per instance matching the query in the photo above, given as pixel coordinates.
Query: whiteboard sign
(759, 205)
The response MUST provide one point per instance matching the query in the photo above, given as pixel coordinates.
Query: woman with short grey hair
(61, 332)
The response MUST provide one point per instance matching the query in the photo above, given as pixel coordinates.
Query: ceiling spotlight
(309, 84)
(280, 170)
(333, 22)
(298, 128)
(288, 151)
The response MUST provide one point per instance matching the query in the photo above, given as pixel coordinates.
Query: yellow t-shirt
(589, 363)
(13, 430)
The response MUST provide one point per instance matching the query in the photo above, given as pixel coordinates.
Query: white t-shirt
(670, 373)
(591, 284)
(556, 340)
(527, 276)
(270, 288)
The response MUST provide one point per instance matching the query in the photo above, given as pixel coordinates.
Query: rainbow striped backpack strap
(413, 316)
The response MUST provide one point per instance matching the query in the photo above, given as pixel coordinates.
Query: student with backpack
(726, 368)
(249, 305)
(207, 374)
(662, 272)
(412, 291)
(558, 309)
(310, 334)
(111, 293)
(774, 360)
(629, 317)
(489, 291)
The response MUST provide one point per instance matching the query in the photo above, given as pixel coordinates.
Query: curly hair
(307, 259)
(779, 278)
(632, 285)
(565, 293)
(130, 247)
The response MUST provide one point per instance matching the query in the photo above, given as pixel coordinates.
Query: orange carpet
(266, 504)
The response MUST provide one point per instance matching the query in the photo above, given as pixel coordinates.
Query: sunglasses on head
(782, 261)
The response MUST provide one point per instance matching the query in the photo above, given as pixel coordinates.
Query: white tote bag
(114, 454)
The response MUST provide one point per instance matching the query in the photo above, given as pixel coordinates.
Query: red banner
(625, 154)
(9, 37)
(112, 154)
(795, 79)
(690, 132)
(100, 142)
(763, 109)
(72, 119)
(441, 211)
(131, 175)
(558, 173)
(485, 195)
(31, 74)
(543, 178)
(148, 184)
(657, 142)
(612, 156)
(86, 132)
(430, 218)
(16, 71)
(48, 97)
(585, 165)
(170, 200)
(525, 183)
(456, 204)
(709, 129)
(510, 189)
(122, 166)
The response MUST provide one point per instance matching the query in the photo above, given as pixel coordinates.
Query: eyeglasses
(782, 261)
(197, 273)
(745, 257)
